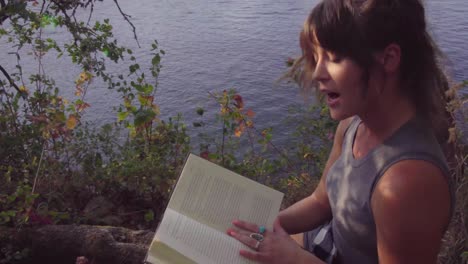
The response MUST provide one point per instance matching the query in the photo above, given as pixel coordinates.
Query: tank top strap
(350, 134)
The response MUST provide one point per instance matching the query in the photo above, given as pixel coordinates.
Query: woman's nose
(320, 73)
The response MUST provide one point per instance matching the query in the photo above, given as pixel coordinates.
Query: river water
(212, 45)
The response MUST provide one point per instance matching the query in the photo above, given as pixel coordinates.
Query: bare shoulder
(411, 207)
(412, 179)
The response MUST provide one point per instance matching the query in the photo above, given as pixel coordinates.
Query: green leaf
(122, 116)
(133, 68)
(156, 59)
(213, 156)
(55, 22)
(11, 198)
(145, 100)
(148, 89)
(149, 216)
(197, 124)
(145, 89)
(60, 117)
(200, 111)
(143, 116)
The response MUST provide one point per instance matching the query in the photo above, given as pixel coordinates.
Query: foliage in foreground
(55, 169)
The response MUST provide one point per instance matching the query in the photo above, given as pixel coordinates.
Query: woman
(384, 196)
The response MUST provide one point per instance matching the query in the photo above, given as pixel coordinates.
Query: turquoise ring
(261, 229)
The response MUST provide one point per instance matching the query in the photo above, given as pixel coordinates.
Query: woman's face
(341, 81)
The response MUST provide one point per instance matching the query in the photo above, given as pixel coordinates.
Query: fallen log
(65, 243)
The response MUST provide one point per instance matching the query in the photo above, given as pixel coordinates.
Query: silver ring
(257, 245)
(256, 236)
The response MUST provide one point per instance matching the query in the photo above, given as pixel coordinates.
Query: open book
(203, 204)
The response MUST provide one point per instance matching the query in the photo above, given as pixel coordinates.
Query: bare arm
(411, 207)
(314, 210)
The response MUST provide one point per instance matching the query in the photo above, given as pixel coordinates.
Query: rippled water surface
(213, 45)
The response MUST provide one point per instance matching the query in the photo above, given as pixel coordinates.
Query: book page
(203, 204)
(198, 243)
(215, 196)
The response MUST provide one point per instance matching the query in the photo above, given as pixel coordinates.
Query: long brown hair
(358, 28)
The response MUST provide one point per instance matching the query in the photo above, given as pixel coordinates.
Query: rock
(99, 210)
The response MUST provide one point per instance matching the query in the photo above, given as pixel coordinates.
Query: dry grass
(455, 243)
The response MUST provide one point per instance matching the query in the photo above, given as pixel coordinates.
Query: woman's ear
(390, 58)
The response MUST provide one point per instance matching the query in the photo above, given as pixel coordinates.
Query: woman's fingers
(255, 256)
(246, 226)
(245, 239)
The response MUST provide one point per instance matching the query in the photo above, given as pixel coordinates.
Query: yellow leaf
(133, 132)
(82, 106)
(78, 91)
(156, 109)
(46, 134)
(127, 102)
(23, 89)
(237, 132)
(224, 110)
(83, 76)
(72, 122)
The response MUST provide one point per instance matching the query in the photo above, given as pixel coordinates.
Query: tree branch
(12, 83)
(90, 12)
(3, 15)
(126, 17)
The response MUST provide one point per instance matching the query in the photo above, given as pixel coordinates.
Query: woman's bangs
(334, 27)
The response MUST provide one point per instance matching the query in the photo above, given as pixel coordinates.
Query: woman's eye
(336, 58)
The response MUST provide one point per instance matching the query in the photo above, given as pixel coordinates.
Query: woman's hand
(276, 247)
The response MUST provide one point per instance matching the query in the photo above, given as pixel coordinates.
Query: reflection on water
(213, 45)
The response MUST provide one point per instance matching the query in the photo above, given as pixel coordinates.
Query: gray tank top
(350, 184)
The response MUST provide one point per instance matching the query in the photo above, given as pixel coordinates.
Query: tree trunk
(64, 243)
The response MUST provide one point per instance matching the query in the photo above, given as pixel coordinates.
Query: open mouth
(333, 95)
(332, 99)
